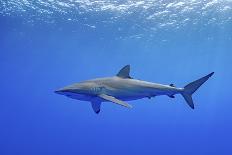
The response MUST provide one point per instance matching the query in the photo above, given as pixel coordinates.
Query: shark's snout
(60, 91)
(57, 91)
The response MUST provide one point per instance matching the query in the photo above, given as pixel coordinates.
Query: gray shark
(122, 87)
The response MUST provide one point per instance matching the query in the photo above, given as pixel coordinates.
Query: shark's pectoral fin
(96, 105)
(114, 100)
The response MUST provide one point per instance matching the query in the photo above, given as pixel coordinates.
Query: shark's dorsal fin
(124, 72)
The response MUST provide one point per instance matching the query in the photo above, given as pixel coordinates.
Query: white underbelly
(133, 94)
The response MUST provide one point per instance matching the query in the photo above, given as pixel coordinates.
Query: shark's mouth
(82, 97)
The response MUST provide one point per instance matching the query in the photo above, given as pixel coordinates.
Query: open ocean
(48, 44)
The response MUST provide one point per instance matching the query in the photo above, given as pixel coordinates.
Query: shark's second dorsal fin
(172, 85)
(124, 72)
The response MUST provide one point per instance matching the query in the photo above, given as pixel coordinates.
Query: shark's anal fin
(96, 105)
(114, 100)
(124, 72)
(171, 96)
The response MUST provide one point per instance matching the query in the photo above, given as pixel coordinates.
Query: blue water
(40, 52)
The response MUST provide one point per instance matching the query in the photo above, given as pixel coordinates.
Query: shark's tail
(192, 87)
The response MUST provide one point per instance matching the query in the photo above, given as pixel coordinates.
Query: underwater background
(48, 44)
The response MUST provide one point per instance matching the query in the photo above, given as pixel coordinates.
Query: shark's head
(79, 90)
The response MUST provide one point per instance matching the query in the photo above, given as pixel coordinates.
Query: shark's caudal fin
(192, 87)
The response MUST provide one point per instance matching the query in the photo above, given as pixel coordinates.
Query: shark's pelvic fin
(124, 72)
(114, 100)
(96, 105)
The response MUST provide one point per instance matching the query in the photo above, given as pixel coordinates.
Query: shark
(122, 87)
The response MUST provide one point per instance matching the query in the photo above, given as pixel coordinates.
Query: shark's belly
(134, 93)
(130, 94)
